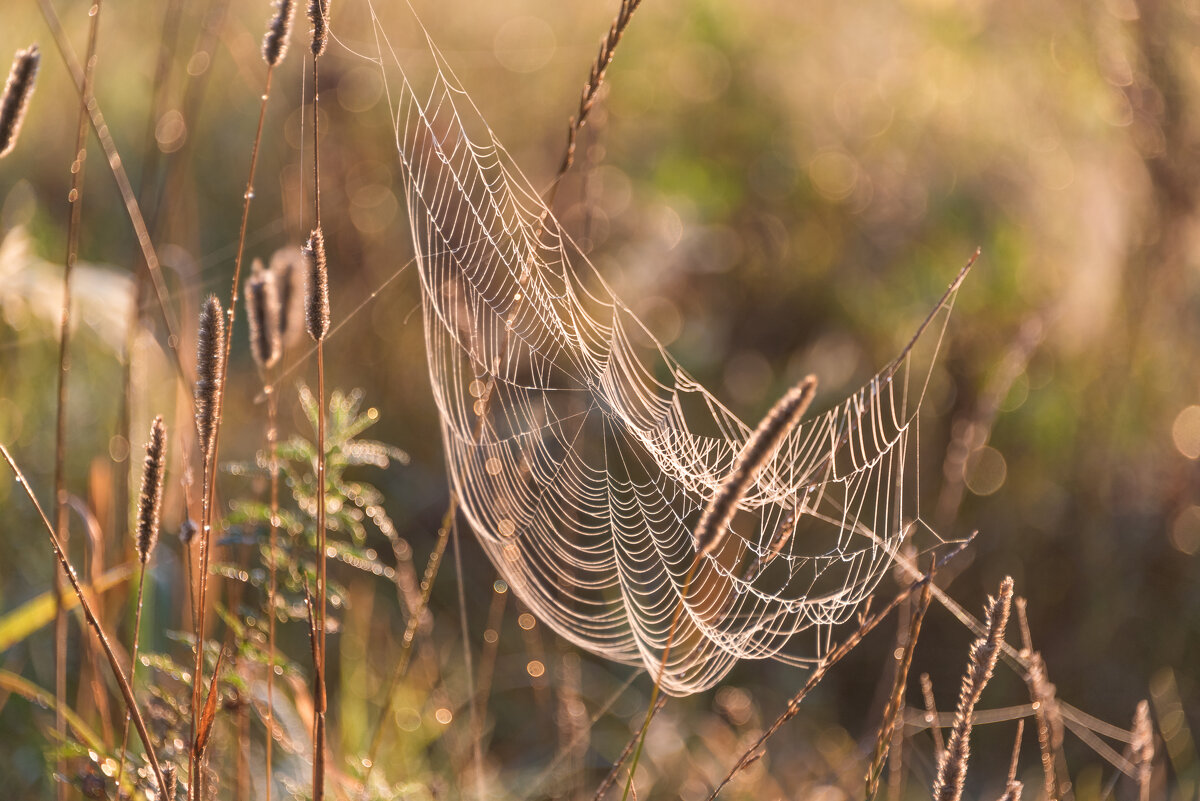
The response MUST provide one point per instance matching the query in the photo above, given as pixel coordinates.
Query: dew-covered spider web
(583, 454)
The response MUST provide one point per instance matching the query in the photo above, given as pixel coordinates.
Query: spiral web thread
(583, 454)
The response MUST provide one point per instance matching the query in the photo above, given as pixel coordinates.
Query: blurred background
(777, 188)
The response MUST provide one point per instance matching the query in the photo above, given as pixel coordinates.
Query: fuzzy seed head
(262, 313)
(150, 500)
(17, 92)
(317, 305)
(210, 372)
(318, 15)
(289, 267)
(275, 43)
(779, 422)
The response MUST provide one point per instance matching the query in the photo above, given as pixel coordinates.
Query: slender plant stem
(662, 670)
(835, 656)
(117, 165)
(211, 461)
(90, 615)
(322, 699)
(133, 661)
(75, 199)
(272, 446)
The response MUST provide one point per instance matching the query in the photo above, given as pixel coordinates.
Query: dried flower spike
(317, 305)
(291, 285)
(16, 96)
(210, 374)
(150, 501)
(262, 313)
(952, 767)
(782, 418)
(275, 43)
(318, 15)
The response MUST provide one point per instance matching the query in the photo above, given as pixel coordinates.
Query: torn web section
(583, 457)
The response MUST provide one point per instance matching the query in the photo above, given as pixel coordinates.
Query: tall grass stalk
(129, 199)
(149, 512)
(318, 327)
(710, 532)
(75, 199)
(91, 618)
(835, 656)
(211, 458)
(985, 652)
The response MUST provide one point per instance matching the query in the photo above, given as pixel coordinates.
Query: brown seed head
(783, 417)
(275, 43)
(262, 313)
(291, 285)
(17, 92)
(210, 373)
(317, 305)
(150, 501)
(318, 15)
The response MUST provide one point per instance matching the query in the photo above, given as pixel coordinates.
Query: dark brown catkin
(262, 313)
(275, 43)
(170, 777)
(210, 346)
(782, 418)
(17, 92)
(317, 305)
(318, 15)
(150, 501)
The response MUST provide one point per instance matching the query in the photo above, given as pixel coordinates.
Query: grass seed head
(275, 43)
(210, 372)
(317, 305)
(17, 92)
(150, 500)
(262, 314)
(318, 15)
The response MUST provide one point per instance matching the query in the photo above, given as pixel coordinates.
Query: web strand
(583, 459)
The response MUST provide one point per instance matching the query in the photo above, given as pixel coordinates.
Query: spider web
(583, 454)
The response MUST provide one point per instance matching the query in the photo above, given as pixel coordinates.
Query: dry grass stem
(952, 767)
(75, 201)
(128, 197)
(783, 417)
(149, 512)
(896, 700)
(754, 752)
(615, 771)
(93, 621)
(17, 91)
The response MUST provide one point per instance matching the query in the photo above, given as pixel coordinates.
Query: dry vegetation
(302, 637)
